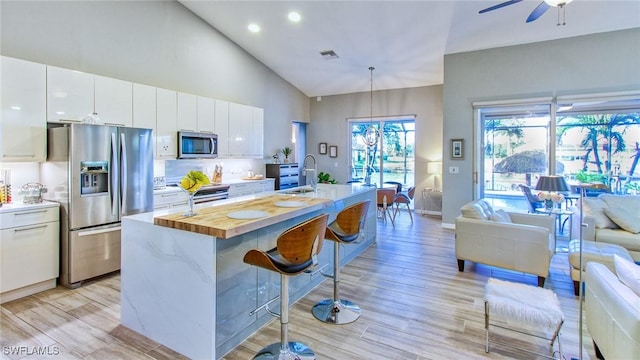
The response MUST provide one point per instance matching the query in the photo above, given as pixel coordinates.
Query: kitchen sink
(299, 191)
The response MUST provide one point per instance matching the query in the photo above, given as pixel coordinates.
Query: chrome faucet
(314, 176)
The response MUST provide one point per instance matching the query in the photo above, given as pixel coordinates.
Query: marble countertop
(19, 206)
(173, 189)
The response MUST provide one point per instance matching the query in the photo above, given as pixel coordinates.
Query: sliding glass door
(585, 140)
(392, 158)
(515, 148)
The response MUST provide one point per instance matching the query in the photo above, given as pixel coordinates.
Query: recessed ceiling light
(254, 28)
(294, 16)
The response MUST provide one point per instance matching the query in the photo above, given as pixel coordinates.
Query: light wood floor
(416, 305)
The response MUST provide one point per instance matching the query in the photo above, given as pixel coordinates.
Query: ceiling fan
(537, 12)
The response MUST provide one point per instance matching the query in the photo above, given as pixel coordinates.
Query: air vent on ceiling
(329, 54)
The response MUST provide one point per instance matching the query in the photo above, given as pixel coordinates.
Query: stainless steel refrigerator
(98, 174)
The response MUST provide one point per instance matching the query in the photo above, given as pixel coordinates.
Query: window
(585, 140)
(392, 158)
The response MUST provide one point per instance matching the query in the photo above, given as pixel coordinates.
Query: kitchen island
(183, 281)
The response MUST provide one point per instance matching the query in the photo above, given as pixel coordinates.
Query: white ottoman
(522, 307)
(592, 251)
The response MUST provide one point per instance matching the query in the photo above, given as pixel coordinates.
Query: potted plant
(286, 152)
(325, 178)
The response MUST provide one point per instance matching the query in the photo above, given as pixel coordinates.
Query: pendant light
(372, 133)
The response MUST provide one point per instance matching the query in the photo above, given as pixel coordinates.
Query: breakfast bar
(183, 281)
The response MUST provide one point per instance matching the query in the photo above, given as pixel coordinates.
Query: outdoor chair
(532, 201)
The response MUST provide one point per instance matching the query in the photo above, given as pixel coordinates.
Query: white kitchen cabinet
(256, 139)
(29, 250)
(206, 114)
(166, 124)
(221, 128)
(187, 112)
(238, 130)
(113, 101)
(166, 199)
(144, 107)
(70, 95)
(23, 129)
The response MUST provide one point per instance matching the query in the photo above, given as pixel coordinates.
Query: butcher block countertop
(215, 221)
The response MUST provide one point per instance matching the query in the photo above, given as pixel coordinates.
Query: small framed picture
(457, 149)
(333, 151)
(322, 148)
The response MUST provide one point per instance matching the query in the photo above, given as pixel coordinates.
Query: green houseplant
(286, 152)
(325, 178)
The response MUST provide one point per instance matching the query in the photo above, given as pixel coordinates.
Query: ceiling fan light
(556, 3)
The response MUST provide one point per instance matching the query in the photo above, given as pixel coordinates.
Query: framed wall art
(333, 151)
(457, 149)
(322, 148)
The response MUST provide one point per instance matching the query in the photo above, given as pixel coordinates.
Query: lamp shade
(552, 183)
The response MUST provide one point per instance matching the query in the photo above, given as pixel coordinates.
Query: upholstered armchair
(514, 241)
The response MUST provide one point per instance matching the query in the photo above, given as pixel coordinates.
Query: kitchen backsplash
(233, 169)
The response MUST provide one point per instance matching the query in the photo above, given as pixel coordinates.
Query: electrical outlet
(454, 170)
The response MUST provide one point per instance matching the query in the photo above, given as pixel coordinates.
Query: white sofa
(612, 313)
(523, 242)
(601, 227)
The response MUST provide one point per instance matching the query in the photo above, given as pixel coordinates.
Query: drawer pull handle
(30, 212)
(30, 228)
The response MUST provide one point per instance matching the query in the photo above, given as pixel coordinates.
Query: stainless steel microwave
(197, 145)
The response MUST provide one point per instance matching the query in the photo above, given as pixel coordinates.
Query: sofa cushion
(628, 272)
(620, 237)
(629, 202)
(594, 207)
(501, 216)
(624, 218)
(478, 209)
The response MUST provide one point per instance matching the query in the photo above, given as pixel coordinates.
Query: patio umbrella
(526, 162)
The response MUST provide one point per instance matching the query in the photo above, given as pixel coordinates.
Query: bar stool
(296, 251)
(345, 229)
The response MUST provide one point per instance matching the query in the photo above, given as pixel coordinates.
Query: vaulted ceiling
(404, 40)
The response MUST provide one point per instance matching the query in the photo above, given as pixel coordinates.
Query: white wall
(606, 62)
(158, 43)
(330, 125)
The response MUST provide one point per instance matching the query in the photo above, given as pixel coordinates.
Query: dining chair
(385, 203)
(402, 198)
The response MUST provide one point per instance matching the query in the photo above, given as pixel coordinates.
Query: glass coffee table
(559, 213)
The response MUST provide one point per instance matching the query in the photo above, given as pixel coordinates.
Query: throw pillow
(628, 273)
(501, 216)
(624, 218)
(593, 207)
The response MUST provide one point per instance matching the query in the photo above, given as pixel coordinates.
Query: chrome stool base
(295, 351)
(336, 312)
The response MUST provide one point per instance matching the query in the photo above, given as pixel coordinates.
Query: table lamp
(552, 183)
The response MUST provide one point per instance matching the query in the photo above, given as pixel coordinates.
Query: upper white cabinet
(246, 129)
(187, 112)
(222, 127)
(70, 95)
(257, 132)
(113, 101)
(144, 106)
(166, 124)
(239, 129)
(23, 129)
(206, 114)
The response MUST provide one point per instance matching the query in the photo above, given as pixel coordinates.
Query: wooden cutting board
(215, 222)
